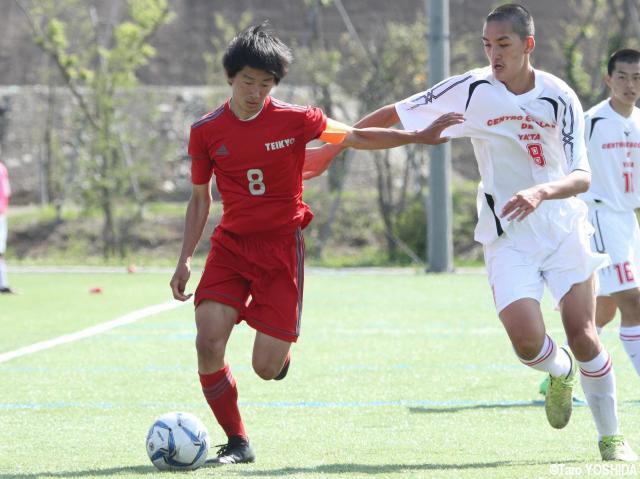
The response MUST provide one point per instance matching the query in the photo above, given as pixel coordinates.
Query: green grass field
(395, 376)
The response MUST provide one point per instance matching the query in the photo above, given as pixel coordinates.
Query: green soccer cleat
(558, 401)
(544, 385)
(615, 448)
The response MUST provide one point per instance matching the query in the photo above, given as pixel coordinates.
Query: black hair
(519, 17)
(257, 48)
(626, 55)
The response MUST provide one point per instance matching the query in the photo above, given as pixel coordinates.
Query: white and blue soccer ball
(177, 441)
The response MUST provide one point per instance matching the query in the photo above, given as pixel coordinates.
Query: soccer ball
(177, 441)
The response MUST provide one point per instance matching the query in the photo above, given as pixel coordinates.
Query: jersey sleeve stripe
(288, 106)
(208, 117)
(431, 95)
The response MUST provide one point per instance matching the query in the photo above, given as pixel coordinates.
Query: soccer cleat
(285, 369)
(615, 448)
(544, 385)
(236, 451)
(6, 290)
(558, 401)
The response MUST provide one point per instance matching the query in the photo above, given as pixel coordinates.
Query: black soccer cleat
(6, 290)
(236, 451)
(285, 369)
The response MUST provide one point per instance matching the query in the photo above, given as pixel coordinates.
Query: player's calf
(629, 304)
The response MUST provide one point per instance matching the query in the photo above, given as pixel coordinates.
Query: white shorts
(517, 272)
(617, 234)
(3, 234)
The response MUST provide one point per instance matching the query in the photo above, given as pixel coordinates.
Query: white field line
(92, 331)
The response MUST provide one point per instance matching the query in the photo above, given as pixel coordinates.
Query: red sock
(221, 393)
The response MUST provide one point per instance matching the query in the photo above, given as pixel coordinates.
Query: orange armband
(335, 132)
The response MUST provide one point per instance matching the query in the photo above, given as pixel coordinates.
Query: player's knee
(526, 348)
(265, 370)
(584, 343)
(527, 351)
(209, 347)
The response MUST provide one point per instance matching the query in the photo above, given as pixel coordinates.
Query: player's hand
(179, 281)
(431, 134)
(523, 203)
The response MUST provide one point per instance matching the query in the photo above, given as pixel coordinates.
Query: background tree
(590, 42)
(97, 60)
(393, 69)
(225, 30)
(321, 65)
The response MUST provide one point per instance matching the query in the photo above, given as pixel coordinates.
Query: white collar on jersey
(620, 116)
(526, 96)
(252, 117)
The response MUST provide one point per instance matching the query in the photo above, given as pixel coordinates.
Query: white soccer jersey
(613, 143)
(519, 141)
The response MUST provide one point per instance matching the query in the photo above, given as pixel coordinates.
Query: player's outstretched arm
(384, 117)
(317, 160)
(195, 221)
(524, 202)
(372, 133)
(374, 138)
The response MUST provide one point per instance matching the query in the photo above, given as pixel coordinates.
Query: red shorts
(261, 276)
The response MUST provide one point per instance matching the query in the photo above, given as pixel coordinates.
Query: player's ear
(530, 44)
(607, 80)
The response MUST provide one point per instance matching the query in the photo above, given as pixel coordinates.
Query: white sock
(599, 330)
(599, 386)
(630, 337)
(550, 359)
(4, 280)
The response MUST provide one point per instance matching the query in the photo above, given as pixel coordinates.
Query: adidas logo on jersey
(222, 151)
(279, 144)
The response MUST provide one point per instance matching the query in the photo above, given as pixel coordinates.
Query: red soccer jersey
(257, 163)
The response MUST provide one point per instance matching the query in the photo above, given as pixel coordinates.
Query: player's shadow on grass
(346, 468)
(497, 405)
(113, 471)
(375, 469)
